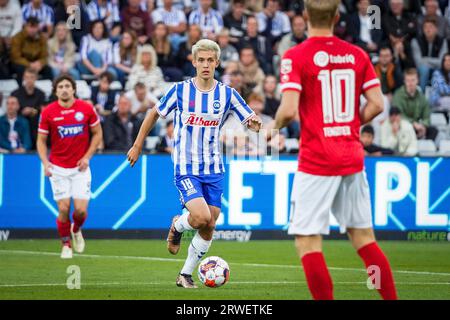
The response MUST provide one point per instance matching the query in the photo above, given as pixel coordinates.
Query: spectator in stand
(10, 24)
(227, 51)
(260, 44)
(10, 21)
(31, 101)
(440, 92)
(249, 66)
(273, 23)
(124, 55)
(14, 129)
(272, 101)
(388, 72)
(103, 97)
(398, 134)
(108, 12)
(96, 52)
(399, 27)
(134, 19)
(432, 11)
(29, 50)
(146, 71)
(77, 18)
(428, 50)
(298, 35)
(121, 127)
(167, 142)
(237, 82)
(174, 19)
(293, 7)
(61, 52)
(414, 106)
(43, 13)
(184, 56)
(363, 33)
(209, 20)
(398, 22)
(165, 53)
(370, 148)
(236, 21)
(141, 100)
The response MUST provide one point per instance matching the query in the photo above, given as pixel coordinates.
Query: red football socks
(372, 255)
(78, 221)
(64, 231)
(317, 276)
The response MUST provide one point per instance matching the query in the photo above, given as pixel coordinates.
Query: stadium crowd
(129, 51)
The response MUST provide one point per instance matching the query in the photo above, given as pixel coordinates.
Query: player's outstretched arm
(286, 111)
(147, 125)
(41, 146)
(374, 105)
(96, 139)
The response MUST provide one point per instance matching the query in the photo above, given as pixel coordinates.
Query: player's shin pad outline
(99, 190)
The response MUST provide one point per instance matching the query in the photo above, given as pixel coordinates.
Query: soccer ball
(213, 272)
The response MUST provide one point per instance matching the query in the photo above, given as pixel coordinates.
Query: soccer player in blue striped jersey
(201, 106)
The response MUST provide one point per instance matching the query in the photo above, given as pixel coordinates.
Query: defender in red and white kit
(324, 77)
(69, 122)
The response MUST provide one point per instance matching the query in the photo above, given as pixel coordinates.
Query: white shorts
(314, 197)
(70, 183)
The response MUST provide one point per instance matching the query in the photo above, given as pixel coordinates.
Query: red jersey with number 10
(69, 131)
(330, 75)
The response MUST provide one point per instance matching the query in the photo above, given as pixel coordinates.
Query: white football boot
(78, 240)
(66, 252)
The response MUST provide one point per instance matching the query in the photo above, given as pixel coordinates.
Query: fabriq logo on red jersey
(195, 120)
(70, 130)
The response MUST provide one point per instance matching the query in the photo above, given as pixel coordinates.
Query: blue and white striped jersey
(209, 22)
(199, 116)
(44, 14)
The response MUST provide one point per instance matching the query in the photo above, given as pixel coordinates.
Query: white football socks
(182, 224)
(197, 249)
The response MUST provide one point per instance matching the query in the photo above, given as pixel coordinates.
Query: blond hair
(321, 13)
(206, 45)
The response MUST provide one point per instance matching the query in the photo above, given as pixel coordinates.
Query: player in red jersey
(324, 77)
(69, 122)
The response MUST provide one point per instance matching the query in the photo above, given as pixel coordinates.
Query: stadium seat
(83, 89)
(426, 147)
(116, 85)
(291, 145)
(444, 148)
(8, 86)
(46, 86)
(151, 142)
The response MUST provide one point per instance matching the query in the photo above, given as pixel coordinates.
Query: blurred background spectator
(398, 134)
(14, 129)
(414, 107)
(121, 127)
(124, 55)
(146, 71)
(370, 148)
(61, 52)
(440, 92)
(95, 51)
(31, 101)
(103, 97)
(29, 50)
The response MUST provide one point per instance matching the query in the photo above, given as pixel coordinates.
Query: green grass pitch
(136, 269)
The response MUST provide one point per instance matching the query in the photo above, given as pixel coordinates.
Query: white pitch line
(237, 263)
(100, 284)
